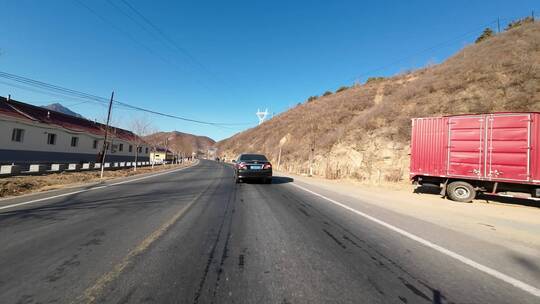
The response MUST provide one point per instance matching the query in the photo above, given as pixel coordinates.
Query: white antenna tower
(262, 115)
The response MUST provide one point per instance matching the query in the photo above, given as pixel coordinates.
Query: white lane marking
(499, 275)
(145, 177)
(43, 199)
(91, 189)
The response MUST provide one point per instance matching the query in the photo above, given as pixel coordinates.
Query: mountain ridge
(58, 107)
(180, 142)
(362, 132)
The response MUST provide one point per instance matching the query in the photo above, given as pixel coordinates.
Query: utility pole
(312, 149)
(166, 150)
(279, 158)
(282, 142)
(104, 148)
(498, 25)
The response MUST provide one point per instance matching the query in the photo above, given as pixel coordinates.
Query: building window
(139, 149)
(130, 148)
(51, 139)
(146, 150)
(121, 147)
(17, 135)
(94, 145)
(74, 141)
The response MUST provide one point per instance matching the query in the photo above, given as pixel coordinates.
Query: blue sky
(232, 57)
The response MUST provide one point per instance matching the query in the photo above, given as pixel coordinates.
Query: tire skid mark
(74, 260)
(224, 255)
(212, 253)
(374, 254)
(340, 243)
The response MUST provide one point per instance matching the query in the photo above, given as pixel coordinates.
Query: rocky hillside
(181, 142)
(363, 131)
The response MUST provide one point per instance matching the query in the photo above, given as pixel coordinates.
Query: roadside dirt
(19, 185)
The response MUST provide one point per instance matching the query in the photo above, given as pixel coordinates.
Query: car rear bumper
(244, 174)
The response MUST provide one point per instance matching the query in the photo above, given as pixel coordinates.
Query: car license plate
(256, 167)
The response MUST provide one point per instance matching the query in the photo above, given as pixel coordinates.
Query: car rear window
(248, 157)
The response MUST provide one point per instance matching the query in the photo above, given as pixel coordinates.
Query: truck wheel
(461, 192)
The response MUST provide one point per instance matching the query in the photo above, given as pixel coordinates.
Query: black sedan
(252, 167)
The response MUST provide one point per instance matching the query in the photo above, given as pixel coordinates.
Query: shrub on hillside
(327, 93)
(312, 98)
(487, 33)
(374, 79)
(343, 88)
(519, 22)
(393, 176)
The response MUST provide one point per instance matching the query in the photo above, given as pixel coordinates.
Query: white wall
(35, 139)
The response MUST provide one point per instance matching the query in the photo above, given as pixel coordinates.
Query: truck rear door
(466, 145)
(508, 141)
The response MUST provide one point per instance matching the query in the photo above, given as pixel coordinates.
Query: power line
(135, 20)
(495, 22)
(27, 88)
(133, 38)
(102, 100)
(439, 45)
(59, 92)
(127, 34)
(167, 38)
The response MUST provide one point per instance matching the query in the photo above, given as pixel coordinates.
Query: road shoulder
(512, 226)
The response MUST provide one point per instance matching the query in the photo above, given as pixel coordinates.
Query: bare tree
(154, 142)
(174, 147)
(141, 127)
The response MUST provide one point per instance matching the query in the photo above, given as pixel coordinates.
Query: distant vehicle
(495, 154)
(252, 167)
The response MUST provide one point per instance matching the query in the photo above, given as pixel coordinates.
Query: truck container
(497, 154)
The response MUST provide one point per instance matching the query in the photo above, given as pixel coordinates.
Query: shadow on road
(509, 200)
(527, 265)
(282, 180)
(275, 180)
(424, 189)
(427, 190)
(80, 201)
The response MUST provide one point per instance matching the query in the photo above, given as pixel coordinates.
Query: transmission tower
(262, 115)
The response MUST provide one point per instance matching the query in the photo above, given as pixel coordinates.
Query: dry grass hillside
(363, 132)
(181, 142)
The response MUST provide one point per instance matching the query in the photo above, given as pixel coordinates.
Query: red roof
(24, 111)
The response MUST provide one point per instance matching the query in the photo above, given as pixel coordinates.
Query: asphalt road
(194, 236)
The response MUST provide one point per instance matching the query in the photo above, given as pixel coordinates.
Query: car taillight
(267, 166)
(242, 166)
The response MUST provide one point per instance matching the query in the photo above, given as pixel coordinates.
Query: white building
(31, 134)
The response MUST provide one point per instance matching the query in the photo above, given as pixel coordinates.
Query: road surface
(194, 236)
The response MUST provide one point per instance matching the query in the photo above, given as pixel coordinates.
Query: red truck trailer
(465, 155)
